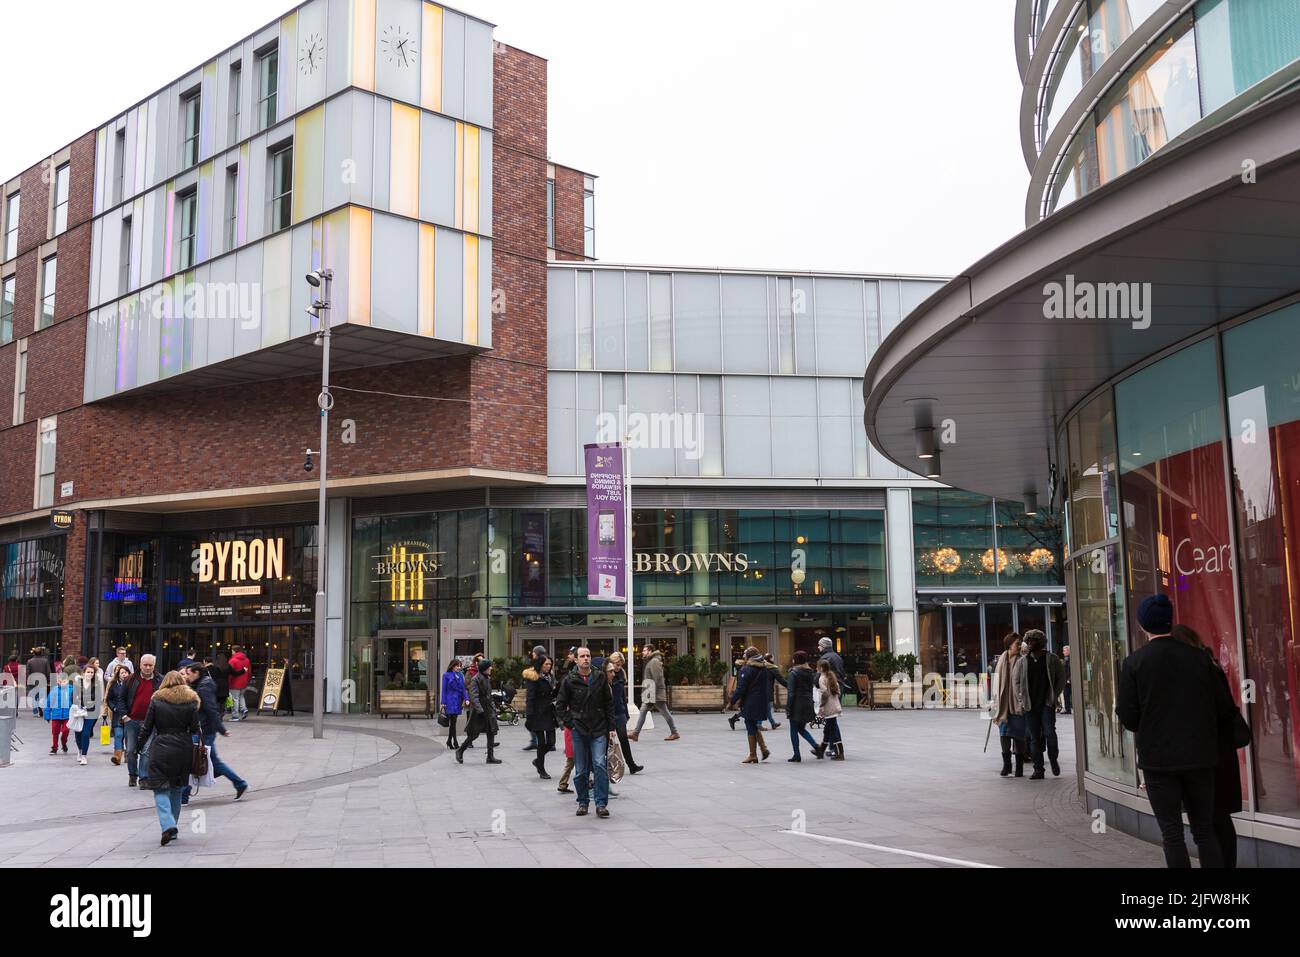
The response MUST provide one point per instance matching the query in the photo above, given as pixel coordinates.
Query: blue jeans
(798, 731)
(136, 767)
(219, 768)
(117, 737)
(168, 803)
(832, 731)
(83, 736)
(591, 753)
(1042, 733)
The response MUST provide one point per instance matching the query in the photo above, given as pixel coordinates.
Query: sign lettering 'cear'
(239, 561)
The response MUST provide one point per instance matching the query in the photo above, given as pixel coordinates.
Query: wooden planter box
(695, 697)
(406, 703)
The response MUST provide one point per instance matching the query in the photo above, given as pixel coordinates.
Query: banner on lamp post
(606, 525)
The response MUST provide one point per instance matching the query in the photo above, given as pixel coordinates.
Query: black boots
(1056, 766)
(819, 751)
(460, 753)
(733, 719)
(1006, 756)
(1022, 752)
(838, 748)
(539, 762)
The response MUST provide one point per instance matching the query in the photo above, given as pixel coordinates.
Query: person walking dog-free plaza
(1171, 699)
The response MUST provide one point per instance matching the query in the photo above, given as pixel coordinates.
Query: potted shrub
(695, 684)
(406, 699)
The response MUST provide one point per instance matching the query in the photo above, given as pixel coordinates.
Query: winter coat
(58, 702)
(220, 675)
(453, 695)
(654, 672)
(1227, 772)
(241, 670)
(169, 730)
(1171, 698)
(133, 686)
(753, 690)
(539, 711)
(39, 665)
(586, 705)
(799, 699)
(88, 695)
(773, 679)
(618, 688)
(484, 713)
(1020, 682)
(210, 709)
(830, 707)
(1007, 704)
(832, 657)
(118, 701)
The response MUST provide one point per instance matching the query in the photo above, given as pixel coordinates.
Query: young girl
(58, 703)
(830, 710)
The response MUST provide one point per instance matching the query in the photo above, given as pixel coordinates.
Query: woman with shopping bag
(87, 702)
(170, 728)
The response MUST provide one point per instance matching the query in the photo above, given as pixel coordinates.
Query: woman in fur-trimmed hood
(170, 728)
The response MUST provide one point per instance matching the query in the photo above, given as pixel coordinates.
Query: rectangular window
(49, 275)
(45, 454)
(61, 177)
(11, 226)
(589, 224)
(236, 94)
(281, 200)
(550, 214)
(232, 207)
(7, 311)
(119, 167)
(124, 255)
(268, 83)
(661, 322)
(190, 112)
(186, 227)
(20, 383)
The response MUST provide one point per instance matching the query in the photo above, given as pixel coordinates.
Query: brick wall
(569, 233)
(74, 585)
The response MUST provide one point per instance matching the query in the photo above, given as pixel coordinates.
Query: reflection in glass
(1100, 630)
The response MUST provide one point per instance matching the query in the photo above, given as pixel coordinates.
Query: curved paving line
(412, 750)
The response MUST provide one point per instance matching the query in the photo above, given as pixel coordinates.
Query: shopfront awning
(705, 610)
(1212, 225)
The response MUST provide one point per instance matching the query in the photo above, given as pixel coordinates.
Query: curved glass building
(1131, 363)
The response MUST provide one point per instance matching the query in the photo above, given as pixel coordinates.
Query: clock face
(398, 46)
(311, 56)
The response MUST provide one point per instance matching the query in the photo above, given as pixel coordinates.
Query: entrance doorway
(602, 641)
(404, 656)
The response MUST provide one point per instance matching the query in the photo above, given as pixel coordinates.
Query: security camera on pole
(320, 311)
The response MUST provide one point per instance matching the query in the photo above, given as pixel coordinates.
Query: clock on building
(398, 46)
(311, 54)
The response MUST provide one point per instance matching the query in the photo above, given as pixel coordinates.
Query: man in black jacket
(1170, 698)
(211, 725)
(585, 706)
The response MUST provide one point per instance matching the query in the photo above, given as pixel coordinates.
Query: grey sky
(877, 135)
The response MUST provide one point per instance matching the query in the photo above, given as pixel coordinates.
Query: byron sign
(261, 559)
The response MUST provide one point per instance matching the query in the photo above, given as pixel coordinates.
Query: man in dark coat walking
(211, 725)
(585, 706)
(1170, 698)
(752, 694)
(799, 708)
(38, 664)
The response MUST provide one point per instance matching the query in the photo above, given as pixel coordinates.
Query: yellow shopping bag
(105, 734)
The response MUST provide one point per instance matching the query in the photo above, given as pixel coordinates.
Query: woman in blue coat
(753, 693)
(453, 698)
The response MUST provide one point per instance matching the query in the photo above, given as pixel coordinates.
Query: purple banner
(606, 527)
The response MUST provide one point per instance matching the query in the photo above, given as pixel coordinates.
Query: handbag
(76, 718)
(105, 734)
(199, 761)
(614, 759)
(442, 717)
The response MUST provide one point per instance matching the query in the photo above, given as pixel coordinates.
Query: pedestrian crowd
(163, 727)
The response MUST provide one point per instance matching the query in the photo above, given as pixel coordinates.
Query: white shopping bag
(208, 780)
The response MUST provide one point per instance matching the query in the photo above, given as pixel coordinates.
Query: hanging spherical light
(947, 560)
(987, 561)
(1041, 560)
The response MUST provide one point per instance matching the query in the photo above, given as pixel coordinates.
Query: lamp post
(320, 310)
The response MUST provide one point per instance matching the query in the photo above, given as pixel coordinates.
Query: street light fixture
(320, 310)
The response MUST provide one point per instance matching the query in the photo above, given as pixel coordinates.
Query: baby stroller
(502, 701)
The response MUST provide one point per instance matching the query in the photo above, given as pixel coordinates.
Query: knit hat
(1156, 615)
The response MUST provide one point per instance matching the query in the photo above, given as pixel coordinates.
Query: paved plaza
(916, 791)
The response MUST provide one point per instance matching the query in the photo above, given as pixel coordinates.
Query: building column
(901, 562)
(338, 531)
(74, 586)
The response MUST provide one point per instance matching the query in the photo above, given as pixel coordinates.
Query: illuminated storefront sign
(239, 561)
(407, 567)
